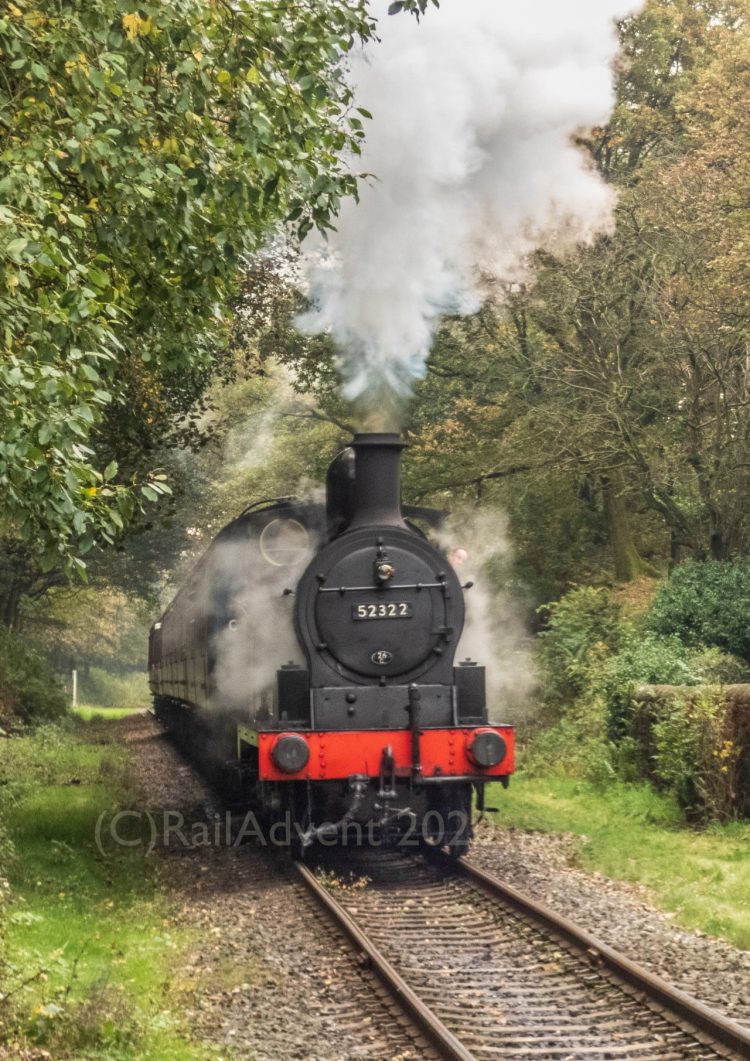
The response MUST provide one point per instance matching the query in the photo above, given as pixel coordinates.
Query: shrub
(575, 745)
(102, 1025)
(719, 668)
(28, 687)
(697, 748)
(706, 603)
(643, 658)
(583, 628)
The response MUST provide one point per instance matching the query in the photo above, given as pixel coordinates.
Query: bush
(706, 603)
(719, 668)
(698, 743)
(643, 658)
(583, 628)
(575, 745)
(28, 687)
(592, 662)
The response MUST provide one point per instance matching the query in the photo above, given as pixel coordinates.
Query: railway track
(488, 973)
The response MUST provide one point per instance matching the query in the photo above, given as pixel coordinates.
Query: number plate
(391, 610)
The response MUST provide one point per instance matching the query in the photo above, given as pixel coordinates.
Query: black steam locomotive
(312, 648)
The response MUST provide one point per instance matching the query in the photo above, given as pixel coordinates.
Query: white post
(75, 687)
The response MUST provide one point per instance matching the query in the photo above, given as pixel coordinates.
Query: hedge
(695, 740)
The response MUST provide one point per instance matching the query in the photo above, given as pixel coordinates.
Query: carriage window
(284, 542)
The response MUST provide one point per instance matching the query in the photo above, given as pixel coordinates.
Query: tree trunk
(627, 561)
(717, 542)
(10, 603)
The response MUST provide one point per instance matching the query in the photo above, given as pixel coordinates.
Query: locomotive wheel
(452, 828)
(295, 809)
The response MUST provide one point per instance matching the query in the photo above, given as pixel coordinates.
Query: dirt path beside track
(267, 979)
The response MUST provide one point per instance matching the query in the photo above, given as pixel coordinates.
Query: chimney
(377, 484)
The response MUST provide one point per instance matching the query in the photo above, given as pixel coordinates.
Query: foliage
(575, 745)
(415, 7)
(582, 629)
(28, 687)
(695, 756)
(642, 658)
(592, 706)
(719, 668)
(91, 625)
(104, 689)
(666, 47)
(706, 604)
(144, 151)
(7, 853)
(593, 660)
(92, 713)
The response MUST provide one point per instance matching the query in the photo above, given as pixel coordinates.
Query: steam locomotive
(312, 652)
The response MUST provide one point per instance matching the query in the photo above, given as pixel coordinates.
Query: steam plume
(494, 632)
(471, 146)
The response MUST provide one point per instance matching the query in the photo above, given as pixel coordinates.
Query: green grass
(631, 833)
(87, 712)
(91, 937)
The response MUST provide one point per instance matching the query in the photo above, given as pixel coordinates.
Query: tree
(144, 151)
(663, 49)
(698, 214)
(94, 625)
(625, 364)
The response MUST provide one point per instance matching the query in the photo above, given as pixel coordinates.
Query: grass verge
(93, 713)
(90, 951)
(631, 833)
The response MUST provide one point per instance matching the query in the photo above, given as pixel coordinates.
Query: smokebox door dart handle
(391, 588)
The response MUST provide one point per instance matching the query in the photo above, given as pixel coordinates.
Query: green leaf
(120, 184)
(97, 277)
(45, 433)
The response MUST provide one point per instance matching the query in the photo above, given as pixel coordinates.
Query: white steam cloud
(471, 145)
(494, 632)
(258, 636)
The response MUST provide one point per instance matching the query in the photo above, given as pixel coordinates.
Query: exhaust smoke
(471, 147)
